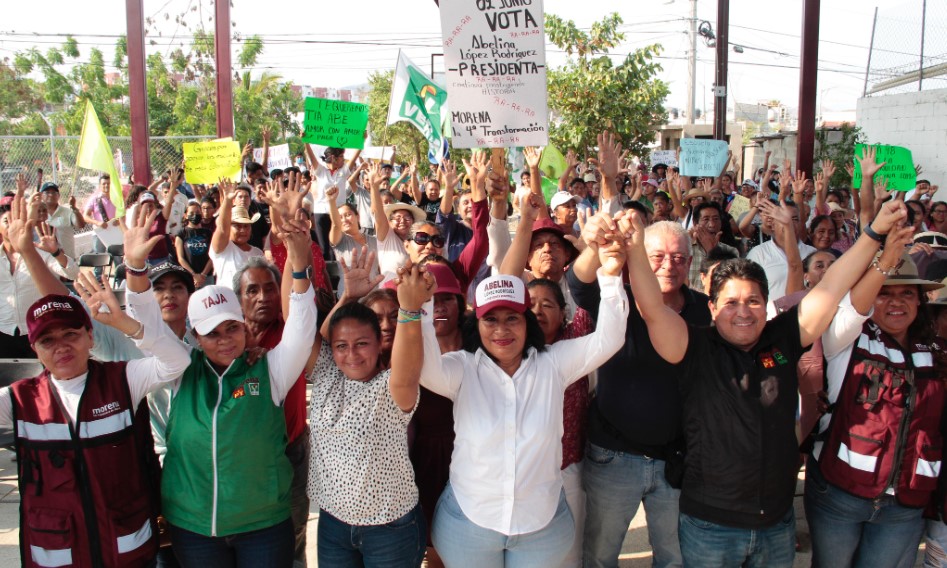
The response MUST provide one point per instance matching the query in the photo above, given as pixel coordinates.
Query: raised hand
(228, 190)
(477, 168)
(609, 154)
(266, 134)
(497, 187)
(868, 164)
(98, 295)
(20, 227)
(357, 277)
(415, 287)
(20, 182)
(890, 215)
(530, 207)
(598, 230)
(287, 202)
(706, 239)
(247, 150)
(47, 238)
(799, 184)
(781, 214)
(571, 161)
(138, 242)
(295, 235)
(630, 226)
(449, 171)
(532, 155)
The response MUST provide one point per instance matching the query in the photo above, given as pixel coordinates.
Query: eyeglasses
(424, 238)
(676, 259)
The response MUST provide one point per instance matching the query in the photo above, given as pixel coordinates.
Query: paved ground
(635, 554)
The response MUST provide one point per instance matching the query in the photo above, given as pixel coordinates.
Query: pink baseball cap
(55, 310)
(501, 291)
(447, 282)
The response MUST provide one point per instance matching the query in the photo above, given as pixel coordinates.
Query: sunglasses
(424, 238)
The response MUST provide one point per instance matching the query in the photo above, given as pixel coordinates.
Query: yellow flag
(96, 154)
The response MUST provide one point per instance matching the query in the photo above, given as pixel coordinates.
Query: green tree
(590, 93)
(840, 150)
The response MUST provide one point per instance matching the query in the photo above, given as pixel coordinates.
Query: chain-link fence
(56, 156)
(908, 48)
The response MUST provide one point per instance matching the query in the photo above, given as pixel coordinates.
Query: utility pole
(224, 68)
(137, 92)
(720, 79)
(692, 66)
(808, 82)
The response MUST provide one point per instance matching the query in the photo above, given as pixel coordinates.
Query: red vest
(87, 498)
(885, 428)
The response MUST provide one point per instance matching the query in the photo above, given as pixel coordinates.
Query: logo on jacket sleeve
(250, 386)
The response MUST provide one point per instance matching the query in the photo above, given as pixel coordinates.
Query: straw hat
(905, 274)
(416, 212)
(240, 215)
(694, 192)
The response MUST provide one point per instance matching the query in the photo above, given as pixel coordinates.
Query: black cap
(166, 268)
(49, 186)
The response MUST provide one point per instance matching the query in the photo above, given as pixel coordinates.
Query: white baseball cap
(211, 306)
(501, 292)
(561, 198)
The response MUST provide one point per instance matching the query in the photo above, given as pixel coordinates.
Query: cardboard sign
(666, 157)
(338, 124)
(898, 169)
(208, 162)
(278, 157)
(739, 206)
(702, 158)
(495, 56)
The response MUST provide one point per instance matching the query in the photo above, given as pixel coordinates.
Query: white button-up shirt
(19, 292)
(323, 179)
(508, 449)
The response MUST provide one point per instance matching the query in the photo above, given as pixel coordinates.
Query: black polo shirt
(637, 405)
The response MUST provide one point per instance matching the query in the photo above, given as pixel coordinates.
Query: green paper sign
(898, 170)
(550, 187)
(337, 124)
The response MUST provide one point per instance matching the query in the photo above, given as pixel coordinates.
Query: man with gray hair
(635, 436)
(257, 285)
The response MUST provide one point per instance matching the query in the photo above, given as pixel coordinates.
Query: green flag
(96, 154)
(417, 99)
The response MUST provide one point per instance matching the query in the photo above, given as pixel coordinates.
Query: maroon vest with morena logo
(87, 492)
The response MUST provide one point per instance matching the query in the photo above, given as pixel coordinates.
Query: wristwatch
(303, 275)
(57, 253)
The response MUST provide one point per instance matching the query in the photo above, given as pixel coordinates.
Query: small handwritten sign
(702, 158)
(338, 124)
(495, 57)
(208, 162)
(666, 157)
(898, 169)
(278, 157)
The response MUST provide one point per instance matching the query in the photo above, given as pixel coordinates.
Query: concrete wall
(783, 147)
(914, 120)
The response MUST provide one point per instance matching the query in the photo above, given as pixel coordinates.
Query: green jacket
(226, 471)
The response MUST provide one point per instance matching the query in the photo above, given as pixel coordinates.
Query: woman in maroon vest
(876, 462)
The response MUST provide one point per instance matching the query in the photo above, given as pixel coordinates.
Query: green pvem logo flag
(415, 98)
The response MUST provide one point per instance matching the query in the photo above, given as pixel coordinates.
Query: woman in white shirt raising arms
(504, 505)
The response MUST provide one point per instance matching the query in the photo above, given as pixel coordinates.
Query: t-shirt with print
(739, 424)
(196, 246)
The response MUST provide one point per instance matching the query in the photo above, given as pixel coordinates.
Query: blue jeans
(710, 545)
(852, 531)
(400, 543)
(97, 246)
(463, 544)
(298, 454)
(935, 539)
(271, 547)
(615, 484)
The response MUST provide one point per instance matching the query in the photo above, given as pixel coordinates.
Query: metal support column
(137, 91)
(808, 80)
(720, 79)
(224, 70)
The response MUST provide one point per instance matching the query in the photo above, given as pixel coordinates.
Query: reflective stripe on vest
(51, 557)
(927, 468)
(43, 432)
(104, 426)
(857, 460)
(135, 540)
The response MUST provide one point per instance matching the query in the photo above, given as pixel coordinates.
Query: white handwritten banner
(666, 157)
(494, 52)
(278, 157)
(701, 157)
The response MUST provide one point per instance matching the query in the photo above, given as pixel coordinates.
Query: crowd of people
(499, 377)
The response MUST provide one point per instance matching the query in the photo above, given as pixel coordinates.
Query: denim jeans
(463, 544)
(398, 544)
(935, 539)
(271, 547)
(853, 531)
(298, 454)
(710, 545)
(615, 484)
(97, 246)
(575, 498)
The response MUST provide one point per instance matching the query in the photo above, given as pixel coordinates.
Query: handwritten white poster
(278, 157)
(495, 56)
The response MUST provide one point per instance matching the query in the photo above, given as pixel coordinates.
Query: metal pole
(692, 66)
(720, 80)
(138, 91)
(225, 125)
(871, 47)
(808, 82)
(52, 151)
(920, 69)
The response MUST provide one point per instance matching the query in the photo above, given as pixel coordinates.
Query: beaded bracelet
(136, 271)
(405, 316)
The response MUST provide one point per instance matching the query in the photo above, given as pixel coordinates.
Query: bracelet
(57, 253)
(872, 234)
(139, 333)
(143, 271)
(884, 273)
(405, 316)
